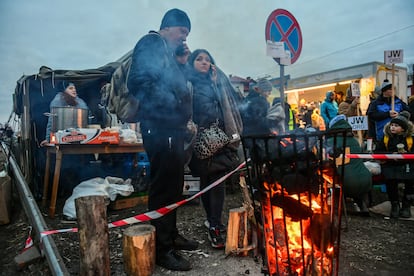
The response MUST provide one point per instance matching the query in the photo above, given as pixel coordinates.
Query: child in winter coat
(398, 138)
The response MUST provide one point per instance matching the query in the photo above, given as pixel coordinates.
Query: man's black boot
(172, 260)
(405, 211)
(395, 209)
(181, 243)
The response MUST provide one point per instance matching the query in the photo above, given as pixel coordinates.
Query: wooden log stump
(93, 235)
(139, 250)
(238, 232)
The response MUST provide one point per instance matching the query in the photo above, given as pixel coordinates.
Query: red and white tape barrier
(29, 240)
(407, 156)
(153, 214)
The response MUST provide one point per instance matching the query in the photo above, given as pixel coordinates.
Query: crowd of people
(390, 123)
(178, 88)
(174, 90)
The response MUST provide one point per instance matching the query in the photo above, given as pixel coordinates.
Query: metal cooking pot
(68, 117)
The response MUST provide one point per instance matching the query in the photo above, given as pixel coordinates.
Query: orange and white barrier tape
(156, 213)
(407, 156)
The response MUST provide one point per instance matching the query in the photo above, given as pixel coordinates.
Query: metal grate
(296, 186)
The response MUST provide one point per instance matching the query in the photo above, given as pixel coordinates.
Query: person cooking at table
(67, 98)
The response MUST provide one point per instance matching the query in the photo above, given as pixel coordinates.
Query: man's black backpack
(116, 97)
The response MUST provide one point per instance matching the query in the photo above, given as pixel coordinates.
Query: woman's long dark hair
(194, 75)
(194, 55)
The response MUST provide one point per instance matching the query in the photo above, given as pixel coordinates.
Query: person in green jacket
(357, 178)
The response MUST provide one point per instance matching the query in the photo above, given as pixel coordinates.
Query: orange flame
(293, 247)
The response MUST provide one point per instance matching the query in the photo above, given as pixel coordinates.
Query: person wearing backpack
(398, 138)
(164, 110)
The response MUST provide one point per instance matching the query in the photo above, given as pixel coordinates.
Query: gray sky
(88, 34)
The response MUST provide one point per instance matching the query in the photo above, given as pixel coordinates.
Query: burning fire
(298, 232)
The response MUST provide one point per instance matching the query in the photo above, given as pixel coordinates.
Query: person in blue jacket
(380, 110)
(329, 108)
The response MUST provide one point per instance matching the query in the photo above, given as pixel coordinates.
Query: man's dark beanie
(175, 18)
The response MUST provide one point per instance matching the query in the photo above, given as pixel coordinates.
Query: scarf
(233, 125)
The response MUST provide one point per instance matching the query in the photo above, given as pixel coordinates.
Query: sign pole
(360, 138)
(393, 57)
(282, 89)
(282, 29)
(392, 87)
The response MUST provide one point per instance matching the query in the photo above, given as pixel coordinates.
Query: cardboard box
(5, 199)
(128, 202)
(191, 185)
(85, 136)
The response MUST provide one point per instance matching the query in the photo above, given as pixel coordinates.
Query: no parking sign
(281, 26)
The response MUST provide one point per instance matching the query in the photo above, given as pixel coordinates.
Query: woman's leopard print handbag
(209, 141)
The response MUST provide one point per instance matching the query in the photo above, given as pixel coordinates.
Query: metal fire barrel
(296, 180)
(68, 117)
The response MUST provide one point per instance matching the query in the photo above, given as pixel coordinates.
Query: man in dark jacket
(254, 109)
(165, 108)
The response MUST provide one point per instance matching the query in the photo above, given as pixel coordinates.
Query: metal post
(393, 88)
(282, 82)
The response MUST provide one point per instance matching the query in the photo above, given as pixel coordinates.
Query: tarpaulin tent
(31, 100)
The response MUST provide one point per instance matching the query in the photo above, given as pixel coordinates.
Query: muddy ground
(370, 246)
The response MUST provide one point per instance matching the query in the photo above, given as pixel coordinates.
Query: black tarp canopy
(33, 94)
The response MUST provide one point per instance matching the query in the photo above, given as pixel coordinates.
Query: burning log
(322, 231)
(298, 183)
(293, 208)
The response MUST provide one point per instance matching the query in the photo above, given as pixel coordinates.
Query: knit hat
(66, 84)
(264, 85)
(336, 119)
(386, 85)
(175, 18)
(401, 119)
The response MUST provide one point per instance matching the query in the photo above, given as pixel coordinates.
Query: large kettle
(68, 117)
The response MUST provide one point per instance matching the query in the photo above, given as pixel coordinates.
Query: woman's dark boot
(395, 209)
(405, 211)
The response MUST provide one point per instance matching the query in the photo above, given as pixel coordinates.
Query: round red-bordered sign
(281, 25)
